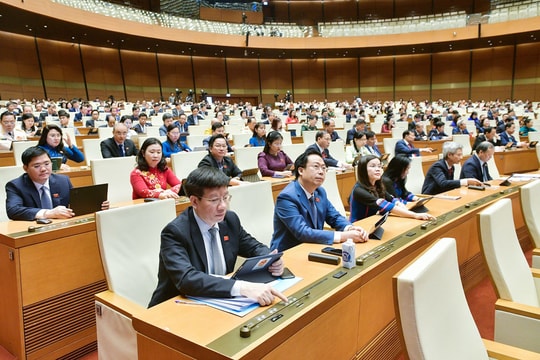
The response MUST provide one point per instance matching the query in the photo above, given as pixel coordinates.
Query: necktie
(10, 134)
(121, 149)
(313, 210)
(45, 199)
(220, 165)
(217, 267)
(485, 172)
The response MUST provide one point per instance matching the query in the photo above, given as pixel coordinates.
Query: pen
(187, 302)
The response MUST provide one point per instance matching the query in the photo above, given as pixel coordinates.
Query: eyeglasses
(217, 201)
(319, 168)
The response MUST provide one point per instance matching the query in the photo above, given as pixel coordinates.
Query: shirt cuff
(463, 182)
(41, 214)
(235, 290)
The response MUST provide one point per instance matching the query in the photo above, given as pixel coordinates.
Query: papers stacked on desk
(241, 305)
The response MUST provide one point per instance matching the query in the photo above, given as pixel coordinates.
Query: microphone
(506, 181)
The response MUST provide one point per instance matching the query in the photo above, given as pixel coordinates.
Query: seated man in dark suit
(405, 145)
(140, 127)
(359, 126)
(118, 145)
(204, 241)
(508, 138)
(437, 133)
(217, 158)
(194, 117)
(303, 207)
(39, 194)
(490, 134)
(322, 142)
(440, 176)
(218, 129)
(476, 166)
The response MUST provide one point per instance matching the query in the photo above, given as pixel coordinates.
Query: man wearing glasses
(202, 244)
(38, 193)
(302, 208)
(9, 132)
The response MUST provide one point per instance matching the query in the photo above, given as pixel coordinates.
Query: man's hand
(264, 294)
(473, 181)
(276, 269)
(356, 233)
(59, 212)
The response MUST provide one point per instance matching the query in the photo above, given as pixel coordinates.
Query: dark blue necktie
(121, 149)
(313, 210)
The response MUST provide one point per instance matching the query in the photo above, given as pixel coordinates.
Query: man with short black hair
(9, 132)
(202, 244)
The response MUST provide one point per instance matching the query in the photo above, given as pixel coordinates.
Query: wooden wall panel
(103, 73)
(412, 77)
(275, 78)
(243, 77)
(341, 10)
(376, 78)
(376, 9)
(210, 75)
(451, 75)
(175, 71)
(62, 69)
(342, 79)
(141, 76)
(492, 73)
(19, 69)
(309, 14)
(527, 74)
(309, 81)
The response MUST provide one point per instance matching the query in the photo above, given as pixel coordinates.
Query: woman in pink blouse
(272, 160)
(151, 178)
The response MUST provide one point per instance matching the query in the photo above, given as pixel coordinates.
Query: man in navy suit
(302, 208)
(39, 194)
(440, 176)
(118, 145)
(204, 241)
(371, 143)
(405, 145)
(507, 136)
(322, 142)
(476, 166)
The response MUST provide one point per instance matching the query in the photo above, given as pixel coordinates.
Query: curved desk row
(349, 317)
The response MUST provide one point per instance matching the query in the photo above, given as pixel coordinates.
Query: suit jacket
(183, 268)
(507, 138)
(402, 148)
(481, 137)
(23, 201)
(229, 167)
(473, 169)
(328, 159)
(374, 150)
(109, 148)
(293, 222)
(438, 179)
(194, 121)
(139, 129)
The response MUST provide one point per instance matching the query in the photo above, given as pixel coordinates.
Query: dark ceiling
(15, 20)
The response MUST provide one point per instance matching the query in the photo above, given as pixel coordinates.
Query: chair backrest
(464, 140)
(185, 162)
(534, 136)
(195, 140)
(115, 172)
(415, 179)
(397, 133)
(538, 153)
(19, 147)
(92, 150)
(197, 130)
(105, 132)
(504, 258)
(286, 138)
(309, 137)
(129, 242)
(332, 191)
(390, 146)
(457, 171)
(435, 319)
(246, 157)
(7, 173)
(337, 150)
(256, 215)
(241, 140)
(492, 168)
(153, 131)
(530, 206)
(70, 131)
(294, 150)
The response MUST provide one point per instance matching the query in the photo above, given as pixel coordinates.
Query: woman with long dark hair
(369, 195)
(152, 178)
(52, 141)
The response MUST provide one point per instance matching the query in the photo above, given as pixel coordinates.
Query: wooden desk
(516, 161)
(48, 283)
(6, 158)
(352, 318)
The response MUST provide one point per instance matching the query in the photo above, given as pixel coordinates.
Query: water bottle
(349, 257)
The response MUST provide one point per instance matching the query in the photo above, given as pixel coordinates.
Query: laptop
(418, 206)
(87, 199)
(255, 269)
(376, 231)
(251, 175)
(533, 144)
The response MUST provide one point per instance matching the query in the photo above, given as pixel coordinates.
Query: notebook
(87, 199)
(255, 269)
(251, 175)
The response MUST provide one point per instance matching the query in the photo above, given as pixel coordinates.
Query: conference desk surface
(349, 317)
(49, 278)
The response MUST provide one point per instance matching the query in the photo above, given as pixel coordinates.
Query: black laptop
(87, 199)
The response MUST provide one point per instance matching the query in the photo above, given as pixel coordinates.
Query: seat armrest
(519, 309)
(535, 273)
(536, 252)
(119, 303)
(506, 352)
